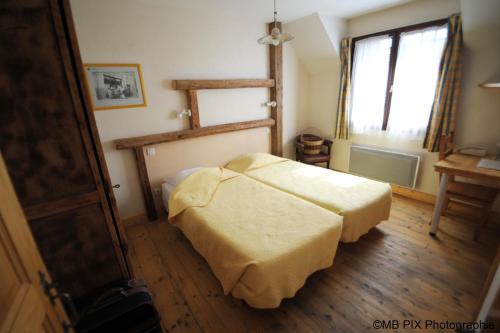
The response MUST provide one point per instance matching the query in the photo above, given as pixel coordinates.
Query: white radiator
(389, 166)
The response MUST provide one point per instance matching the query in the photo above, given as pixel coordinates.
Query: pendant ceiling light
(276, 37)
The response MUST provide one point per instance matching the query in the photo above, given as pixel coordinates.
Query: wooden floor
(396, 271)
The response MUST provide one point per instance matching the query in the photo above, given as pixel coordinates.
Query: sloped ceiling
(316, 41)
(318, 34)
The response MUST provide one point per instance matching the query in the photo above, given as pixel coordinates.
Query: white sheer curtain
(369, 83)
(415, 81)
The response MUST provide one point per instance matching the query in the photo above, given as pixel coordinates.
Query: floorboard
(396, 271)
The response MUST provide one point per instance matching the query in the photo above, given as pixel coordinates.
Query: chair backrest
(299, 146)
(445, 146)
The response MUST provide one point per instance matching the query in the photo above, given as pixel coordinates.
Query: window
(369, 78)
(394, 77)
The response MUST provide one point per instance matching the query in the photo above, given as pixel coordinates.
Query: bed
(362, 202)
(261, 243)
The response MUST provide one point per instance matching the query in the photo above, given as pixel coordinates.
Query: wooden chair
(322, 157)
(476, 196)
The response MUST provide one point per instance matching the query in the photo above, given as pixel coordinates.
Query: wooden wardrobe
(51, 147)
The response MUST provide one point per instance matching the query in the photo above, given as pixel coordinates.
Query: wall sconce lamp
(184, 113)
(270, 104)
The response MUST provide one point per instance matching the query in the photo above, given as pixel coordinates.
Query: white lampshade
(276, 37)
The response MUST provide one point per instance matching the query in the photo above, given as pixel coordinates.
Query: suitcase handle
(122, 290)
(105, 299)
(70, 308)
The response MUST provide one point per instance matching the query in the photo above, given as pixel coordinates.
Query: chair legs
(446, 203)
(482, 221)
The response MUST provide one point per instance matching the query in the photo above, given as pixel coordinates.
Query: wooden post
(276, 73)
(145, 185)
(192, 101)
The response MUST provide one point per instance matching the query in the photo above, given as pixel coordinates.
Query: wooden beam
(192, 100)
(145, 184)
(221, 84)
(276, 73)
(141, 141)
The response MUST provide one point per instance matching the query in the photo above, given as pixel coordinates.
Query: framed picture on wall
(115, 86)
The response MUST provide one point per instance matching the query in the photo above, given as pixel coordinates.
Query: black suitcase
(125, 307)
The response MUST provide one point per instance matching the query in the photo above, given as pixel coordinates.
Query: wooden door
(23, 305)
(51, 149)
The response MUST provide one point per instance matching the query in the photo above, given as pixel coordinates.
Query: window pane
(415, 79)
(369, 83)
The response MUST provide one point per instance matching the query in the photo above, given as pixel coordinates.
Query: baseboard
(137, 219)
(414, 194)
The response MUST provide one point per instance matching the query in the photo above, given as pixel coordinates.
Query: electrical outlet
(151, 151)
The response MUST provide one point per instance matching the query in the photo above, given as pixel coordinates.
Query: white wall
(479, 116)
(295, 99)
(317, 39)
(324, 84)
(323, 97)
(174, 39)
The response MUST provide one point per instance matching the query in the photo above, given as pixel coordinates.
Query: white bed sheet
(166, 189)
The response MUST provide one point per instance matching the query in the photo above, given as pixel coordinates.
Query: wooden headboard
(274, 83)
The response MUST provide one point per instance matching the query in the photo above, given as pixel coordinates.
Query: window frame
(395, 35)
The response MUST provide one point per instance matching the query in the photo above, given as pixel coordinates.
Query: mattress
(260, 243)
(362, 202)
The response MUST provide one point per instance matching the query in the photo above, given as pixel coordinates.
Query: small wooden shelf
(490, 85)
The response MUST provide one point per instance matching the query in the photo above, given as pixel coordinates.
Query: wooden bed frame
(191, 87)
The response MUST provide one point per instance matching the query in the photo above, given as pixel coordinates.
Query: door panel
(24, 307)
(41, 140)
(80, 252)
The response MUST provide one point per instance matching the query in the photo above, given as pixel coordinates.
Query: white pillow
(181, 175)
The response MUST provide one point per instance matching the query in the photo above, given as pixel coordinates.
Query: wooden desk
(458, 165)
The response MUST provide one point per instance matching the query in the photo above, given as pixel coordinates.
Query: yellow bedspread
(362, 202)
(261, 243)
